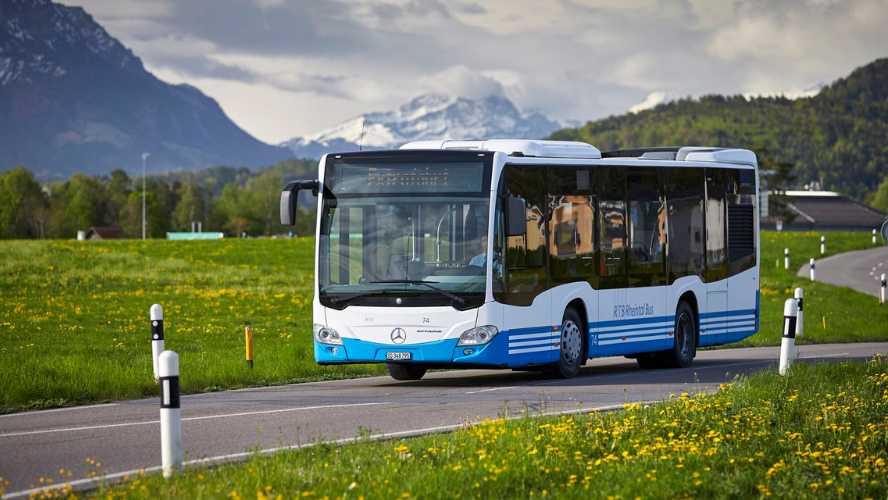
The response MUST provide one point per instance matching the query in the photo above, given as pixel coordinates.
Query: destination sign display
(376, 178)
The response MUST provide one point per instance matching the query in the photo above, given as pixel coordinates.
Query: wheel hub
(571, 342)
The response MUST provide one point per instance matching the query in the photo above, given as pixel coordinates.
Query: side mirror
(288, 199)
(516, 216)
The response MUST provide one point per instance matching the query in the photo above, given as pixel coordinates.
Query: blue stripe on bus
(638, 321)
(737, 312)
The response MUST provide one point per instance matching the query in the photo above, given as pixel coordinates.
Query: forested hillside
(838, 137)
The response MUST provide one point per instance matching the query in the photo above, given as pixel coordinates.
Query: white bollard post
(822, 245)
(812, 265)
(170, 414)
(787, 344)
(883, 291)
(156, 335)
(786, 258)
(874, 236)
(800, 322)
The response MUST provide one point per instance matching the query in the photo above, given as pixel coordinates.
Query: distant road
(125, 436)
(859, 270)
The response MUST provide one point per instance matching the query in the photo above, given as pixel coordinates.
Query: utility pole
(144, 157)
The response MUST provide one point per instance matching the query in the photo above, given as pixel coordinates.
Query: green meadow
(74, 324)
(819, 432)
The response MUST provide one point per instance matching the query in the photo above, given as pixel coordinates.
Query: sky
(287, 68)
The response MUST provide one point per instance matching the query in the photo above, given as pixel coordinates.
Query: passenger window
(612, 227)
(572, 207)
(684, 219)
(646, 227)
(525, 261)
(716, 247)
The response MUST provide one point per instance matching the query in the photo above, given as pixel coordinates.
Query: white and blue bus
(531, 255)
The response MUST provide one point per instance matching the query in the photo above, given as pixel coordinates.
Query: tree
(23, 205)
(880, 200)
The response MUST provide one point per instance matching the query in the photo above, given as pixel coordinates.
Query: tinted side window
(525, 256)
(646, 227)
(740, 187)
(684, 219)
(572, 206)
(716, 245)
(612, 226)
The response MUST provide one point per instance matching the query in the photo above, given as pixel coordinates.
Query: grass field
(820, 432)
(74, 315)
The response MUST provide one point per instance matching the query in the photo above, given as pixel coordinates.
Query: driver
(480, 260)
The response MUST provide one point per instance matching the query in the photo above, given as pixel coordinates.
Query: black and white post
(874, 236)
(156, 335)
(800, 323)
(787, 344)
(171, 456)
(822, 245)
(812, 265)
(786, 259)
(883, 291)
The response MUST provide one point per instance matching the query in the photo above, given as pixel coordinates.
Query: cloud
(461, 81)
(292, 67)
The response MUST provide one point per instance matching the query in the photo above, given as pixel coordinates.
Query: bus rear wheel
(405, 372)
(570, 352)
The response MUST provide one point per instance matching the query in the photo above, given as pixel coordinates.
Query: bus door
(713, 325)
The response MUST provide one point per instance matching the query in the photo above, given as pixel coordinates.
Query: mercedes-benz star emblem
(399, 335)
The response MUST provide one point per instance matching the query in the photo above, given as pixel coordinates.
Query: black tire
(572, 345)
(405, 372)
(684, 348)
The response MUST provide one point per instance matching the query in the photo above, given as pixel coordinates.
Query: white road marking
(108, 426)
(487, 390)
(41, 412)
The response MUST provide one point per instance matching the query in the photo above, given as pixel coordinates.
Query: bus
(531, 255)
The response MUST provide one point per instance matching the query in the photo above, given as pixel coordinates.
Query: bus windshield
(412, 231)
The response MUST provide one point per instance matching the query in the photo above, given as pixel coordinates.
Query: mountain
(837, 136)
(430, 116)
(74, 99)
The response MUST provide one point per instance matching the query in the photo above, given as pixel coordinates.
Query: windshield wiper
(350, 296)
(458, 300)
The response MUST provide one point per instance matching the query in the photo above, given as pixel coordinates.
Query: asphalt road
(860, 270)
(124, 436)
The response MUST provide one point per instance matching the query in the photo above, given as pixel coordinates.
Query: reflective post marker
(156, 335)
(883, 291)
(812, 265)
(800, 324)
(874, 236)
(822, 245)
(786, 258)
(171, 455)
(787, 344)
(248, 333)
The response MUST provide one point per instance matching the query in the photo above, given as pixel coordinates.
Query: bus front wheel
(570, 352)
(405, 372)
(684, 348)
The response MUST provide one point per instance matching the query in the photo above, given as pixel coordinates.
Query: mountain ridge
(836, 136)
(428, 116)
(75, 99)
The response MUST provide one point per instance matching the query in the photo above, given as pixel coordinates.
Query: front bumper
(442, 352)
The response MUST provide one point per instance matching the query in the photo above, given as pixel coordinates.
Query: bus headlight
(326, 335)
(478, 336)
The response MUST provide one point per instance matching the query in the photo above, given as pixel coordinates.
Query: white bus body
(644, 253)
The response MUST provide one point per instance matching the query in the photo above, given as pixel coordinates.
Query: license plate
(398, 356)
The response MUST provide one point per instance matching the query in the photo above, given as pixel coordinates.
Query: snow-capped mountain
(428, 117)
(74, 99)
